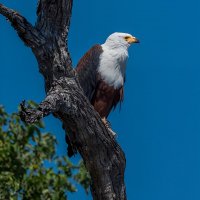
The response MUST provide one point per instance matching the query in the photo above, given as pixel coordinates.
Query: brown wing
(102, 96)
(105, 98)
(87, 70)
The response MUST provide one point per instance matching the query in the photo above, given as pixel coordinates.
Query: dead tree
(102, 155)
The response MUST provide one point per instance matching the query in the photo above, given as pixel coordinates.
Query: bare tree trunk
(102, 155)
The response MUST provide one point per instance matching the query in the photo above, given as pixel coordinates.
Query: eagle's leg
(108, 126)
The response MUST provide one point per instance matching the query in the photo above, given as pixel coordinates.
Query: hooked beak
(132, 40)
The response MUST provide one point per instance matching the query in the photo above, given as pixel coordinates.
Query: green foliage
(25, 153)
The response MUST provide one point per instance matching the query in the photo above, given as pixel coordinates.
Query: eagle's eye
(126, 37)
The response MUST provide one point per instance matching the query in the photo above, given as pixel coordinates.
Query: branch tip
(29, 35)
(28, 115)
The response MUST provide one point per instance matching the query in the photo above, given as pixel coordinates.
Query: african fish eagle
(101, 73)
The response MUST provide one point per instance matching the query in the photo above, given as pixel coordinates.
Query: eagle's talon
(108, 126)
(112, 132)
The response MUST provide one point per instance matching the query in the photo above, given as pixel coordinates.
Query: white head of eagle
(113, 59)
(101, 72)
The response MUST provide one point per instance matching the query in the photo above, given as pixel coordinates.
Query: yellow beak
(133, 40)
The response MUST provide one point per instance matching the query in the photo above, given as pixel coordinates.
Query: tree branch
(29, 35)
(53, 22)
(45, 108)
(54, 17)
(52, 104)
(53, 57)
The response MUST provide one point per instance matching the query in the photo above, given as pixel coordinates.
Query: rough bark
(65, 99)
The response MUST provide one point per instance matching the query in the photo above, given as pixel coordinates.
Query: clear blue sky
(159, 123)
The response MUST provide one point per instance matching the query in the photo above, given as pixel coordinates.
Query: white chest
(112, 66)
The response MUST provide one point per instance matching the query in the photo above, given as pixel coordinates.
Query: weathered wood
(102, 155)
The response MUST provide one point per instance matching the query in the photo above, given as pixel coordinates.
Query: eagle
(101, 73)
